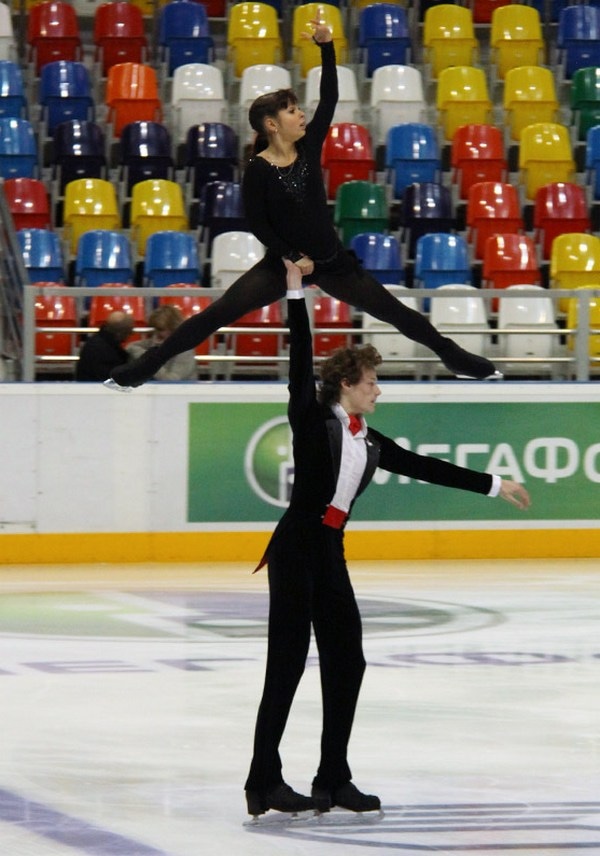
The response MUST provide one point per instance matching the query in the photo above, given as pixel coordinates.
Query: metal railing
(572, 360)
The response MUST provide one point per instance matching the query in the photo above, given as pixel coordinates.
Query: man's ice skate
(137, 372)
(347, 796)
(465, 365)
(281, 798)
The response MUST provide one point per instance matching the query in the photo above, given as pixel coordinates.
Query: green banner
(241, 467)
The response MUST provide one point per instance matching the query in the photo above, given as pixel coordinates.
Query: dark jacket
(317, 444)
(99, 356)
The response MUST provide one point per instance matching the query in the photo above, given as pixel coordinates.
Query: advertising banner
(552, 447)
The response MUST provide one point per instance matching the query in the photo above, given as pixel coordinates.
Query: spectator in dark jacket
(104, 350)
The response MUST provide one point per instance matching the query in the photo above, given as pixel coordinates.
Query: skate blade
(496, 376)
(281, 818)
(338, 818)
(112, 384)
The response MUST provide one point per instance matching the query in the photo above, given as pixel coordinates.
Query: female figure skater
(286, 208)
(335, 457)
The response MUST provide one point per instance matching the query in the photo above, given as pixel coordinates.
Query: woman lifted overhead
(286, 208)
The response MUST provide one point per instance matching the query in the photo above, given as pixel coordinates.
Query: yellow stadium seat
(545, 156)
(449, 37)
(462, 98)
(529, 97)
(156, 205)
(516, 38)
(574, 262)
(253, 36)
(90, 203)
(573, 321)
(305, 53)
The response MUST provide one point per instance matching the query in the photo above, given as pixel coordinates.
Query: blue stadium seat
(221, 210)
(412, 154)
(578, 38)
(426, 207)
(171, 257)
(42, 255)
(381, 255)
(184, 34)
(65, 93)
(103, 256)
(13, 100)
(79, 152)
(441, 259)
(211, 154)
(383, 36)
(146, 152)
(18, 149)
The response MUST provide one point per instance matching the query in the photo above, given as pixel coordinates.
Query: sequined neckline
(293, 177)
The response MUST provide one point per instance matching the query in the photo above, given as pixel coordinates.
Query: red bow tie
(355, 424)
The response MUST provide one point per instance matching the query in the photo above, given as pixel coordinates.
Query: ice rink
(129, 695)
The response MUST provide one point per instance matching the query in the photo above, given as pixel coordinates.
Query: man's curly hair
(345, 364)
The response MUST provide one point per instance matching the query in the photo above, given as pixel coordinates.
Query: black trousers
(343, 278)
(309, 585)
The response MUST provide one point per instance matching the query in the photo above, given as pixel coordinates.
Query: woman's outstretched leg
(261, 285)
(363, 291)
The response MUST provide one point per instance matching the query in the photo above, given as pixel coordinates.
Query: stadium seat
(462, 99)
(145, 152)
(509, 260)
(578, 38)
(529, 97)
(56, 312)
(156, 204)
(592, 161)
(65, 94)
(516, 38)
(559, 208)
(493, 207)
(184, 35)
(79, 152)
(52, 33)
(171, 257)
(572, 311)
(8, 46)
(329, 314)
(347, 155)
(449, 37)
(381, 255)
(28, 203)
(307, 55)
(221, 210)
(119, 35)
(90, 203)
(477, 154)
(348, 107)
(545, 156)
(128, 300)
(442, 259)
(383, 36)
(103, 255)
(399, 353)
(198, 92)
(132, 95)
(211, 154)
(13, 98)
(360, 206)
(397, 97)
(412, 154)
(253, 36)
(531, 311)
(233, 253)
(426, 207)
(574, 262)
(42, 255)
(455, 307)
(584, 99)
(265, 342)
(18, 148)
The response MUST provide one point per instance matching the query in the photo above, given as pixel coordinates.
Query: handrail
(579, 357)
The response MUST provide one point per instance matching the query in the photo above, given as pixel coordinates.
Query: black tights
(265, 283)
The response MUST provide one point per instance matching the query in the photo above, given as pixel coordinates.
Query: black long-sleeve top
(287, 208)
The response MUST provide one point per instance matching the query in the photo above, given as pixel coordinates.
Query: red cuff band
(334, 517)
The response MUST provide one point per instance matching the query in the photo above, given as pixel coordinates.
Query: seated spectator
(104, 351)
(164, 320)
